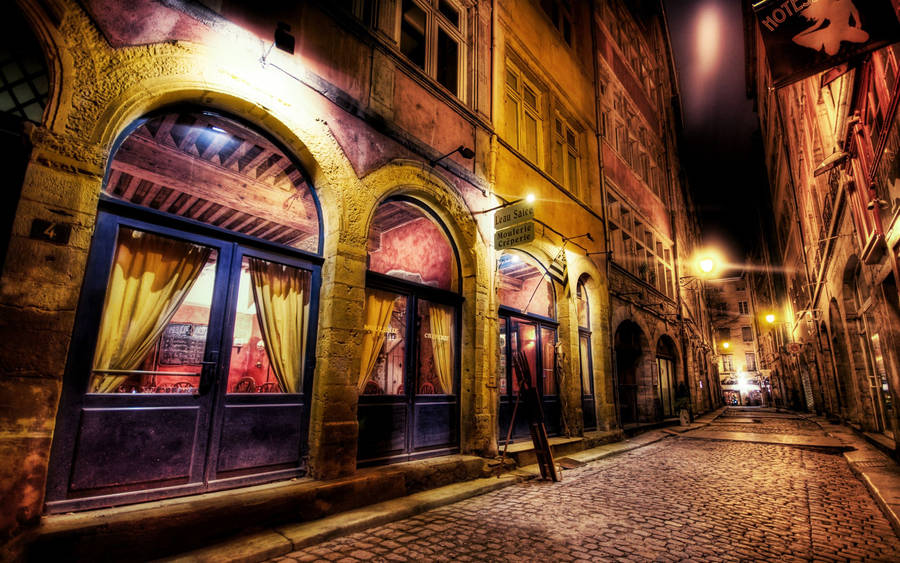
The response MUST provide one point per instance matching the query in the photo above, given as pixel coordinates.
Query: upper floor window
(560, 13)
(746, 334)
(750, 361)
(565, 155)
(431, 36)
(521, 112)
(742, 307)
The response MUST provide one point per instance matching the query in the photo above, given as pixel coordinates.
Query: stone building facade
(735, 327)
(658, 319)
(252, 245)
(830, 143)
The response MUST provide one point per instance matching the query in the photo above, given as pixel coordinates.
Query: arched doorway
(665, 381)
(629, 350)
(409, 375)
(586, 364)
(838, 338)
(194, 348)
(528, 326)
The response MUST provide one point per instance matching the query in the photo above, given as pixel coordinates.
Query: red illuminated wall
(419, 248)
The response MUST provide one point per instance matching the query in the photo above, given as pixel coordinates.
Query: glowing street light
(770, 318)
(707, 265)
(726, 345)
(529, 198)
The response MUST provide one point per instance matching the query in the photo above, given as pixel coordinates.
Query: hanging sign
(804, 37)
(513, 215)
(514, 236)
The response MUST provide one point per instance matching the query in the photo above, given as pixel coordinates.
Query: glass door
(188, 367)
(536, 342)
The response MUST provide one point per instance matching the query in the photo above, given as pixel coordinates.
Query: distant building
(734, 324)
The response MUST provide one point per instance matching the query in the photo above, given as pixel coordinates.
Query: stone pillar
(39, 291)
(333, 421)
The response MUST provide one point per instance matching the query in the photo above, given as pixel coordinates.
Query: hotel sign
(514, 236)
(804, 37)
(513, 215)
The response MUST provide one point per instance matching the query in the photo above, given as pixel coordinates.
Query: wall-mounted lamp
(831, 161)
(464, 152)
(588, 235)
(283, 39)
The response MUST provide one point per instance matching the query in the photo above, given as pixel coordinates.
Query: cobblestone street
(677, 499)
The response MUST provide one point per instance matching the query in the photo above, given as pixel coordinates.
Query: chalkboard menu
(182, 344)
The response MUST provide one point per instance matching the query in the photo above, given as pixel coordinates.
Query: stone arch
(842, 361)
(299, 135)
(408, 179)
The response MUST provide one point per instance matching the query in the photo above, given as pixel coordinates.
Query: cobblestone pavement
(680, 499)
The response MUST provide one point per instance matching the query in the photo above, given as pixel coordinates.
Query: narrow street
(680, 498)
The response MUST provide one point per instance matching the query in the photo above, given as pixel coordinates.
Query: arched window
(585, 361)
(198, 315)
(527, 330)
(410, 350)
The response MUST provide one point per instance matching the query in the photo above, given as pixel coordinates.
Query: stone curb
(284, 539)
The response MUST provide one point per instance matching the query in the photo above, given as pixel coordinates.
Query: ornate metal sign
(803, 37)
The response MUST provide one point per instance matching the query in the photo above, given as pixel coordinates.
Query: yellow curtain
(379, 306)
(441, 321)
(282, 307)
(150, 278)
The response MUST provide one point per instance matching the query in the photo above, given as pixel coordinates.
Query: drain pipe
(607, 252)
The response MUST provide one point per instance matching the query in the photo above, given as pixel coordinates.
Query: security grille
(24, 79)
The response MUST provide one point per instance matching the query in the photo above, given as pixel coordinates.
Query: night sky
(721, 150)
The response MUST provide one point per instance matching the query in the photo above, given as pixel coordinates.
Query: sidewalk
(878, 471)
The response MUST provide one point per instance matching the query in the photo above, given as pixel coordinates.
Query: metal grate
(24, 79)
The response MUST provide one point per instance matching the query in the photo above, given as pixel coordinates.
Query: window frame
(561, 130)
(522, 109)
(435, 21)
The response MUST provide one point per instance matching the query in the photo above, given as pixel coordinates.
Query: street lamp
(770, 318)
(726, 345)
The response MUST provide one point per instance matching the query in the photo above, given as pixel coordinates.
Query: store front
(194, 346)
(409, 375)
(528, 328)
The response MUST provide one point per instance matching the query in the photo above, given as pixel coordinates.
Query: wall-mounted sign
(57, 233)
(514, 236)
(513, 215)
(803, 37)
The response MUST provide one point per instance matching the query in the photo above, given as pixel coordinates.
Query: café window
(431, 35)
(528, 331)
(410, 339)
(196, 328)
(160, 293)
